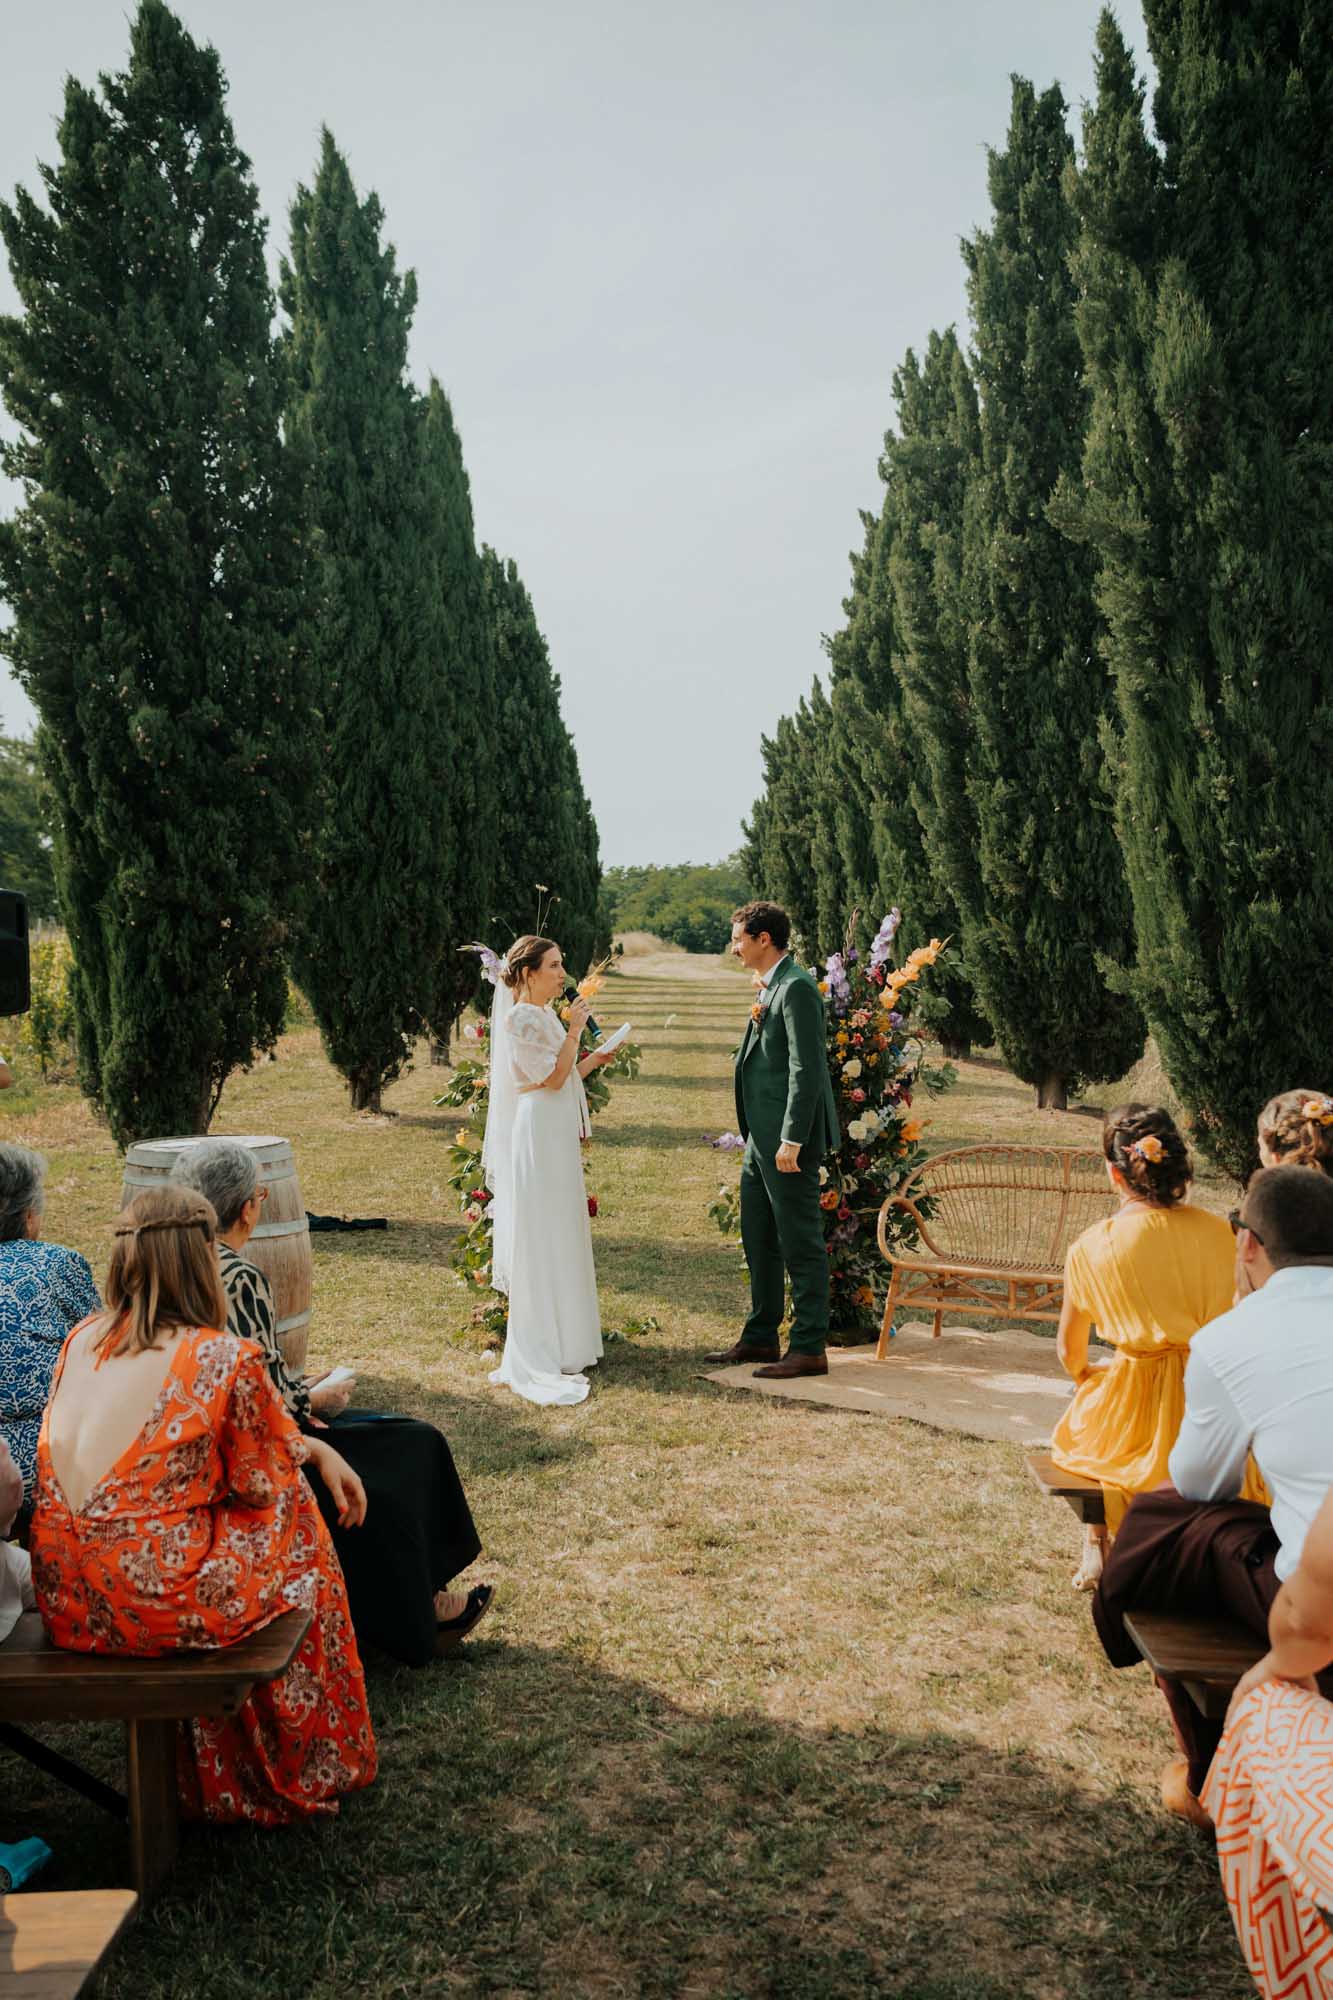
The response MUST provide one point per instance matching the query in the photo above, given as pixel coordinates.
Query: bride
(537, 1117)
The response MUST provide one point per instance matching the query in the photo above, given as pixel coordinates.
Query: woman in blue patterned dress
(45, 1290)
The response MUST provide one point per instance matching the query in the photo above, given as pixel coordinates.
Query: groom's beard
(572, 993)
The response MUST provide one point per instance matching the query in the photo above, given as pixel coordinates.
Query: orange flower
(863, 1296)
(830, 1198)
(911, 1131)
(756, 1013)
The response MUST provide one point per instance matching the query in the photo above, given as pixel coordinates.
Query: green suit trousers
(781, 1225)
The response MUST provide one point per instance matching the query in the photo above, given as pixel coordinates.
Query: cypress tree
(825, 763)
(1206, 326)
(466, 748)
(882, 778)
(156, 573)
(929, 464)
(1053, 903)
(780, 834)
(546, 838)
(379, 923)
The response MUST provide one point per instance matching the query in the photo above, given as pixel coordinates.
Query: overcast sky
(669, 258)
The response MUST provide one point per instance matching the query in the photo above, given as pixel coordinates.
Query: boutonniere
(757, 1012)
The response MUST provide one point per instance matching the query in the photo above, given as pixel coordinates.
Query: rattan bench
(993, 1223)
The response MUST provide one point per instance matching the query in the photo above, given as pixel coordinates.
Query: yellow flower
(911, 1132)
(462, 1136)
(863, 1296)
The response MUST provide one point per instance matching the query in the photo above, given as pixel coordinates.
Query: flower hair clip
(1149, 1148)
(1318, 1110)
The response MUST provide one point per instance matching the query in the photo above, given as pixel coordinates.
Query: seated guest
(171, 1514)
(418, 1532)
(15, 1568)
(1296, 1130)
(1270, 1788)
(1260, 1381)
(44, 1291)
(1148, 1278)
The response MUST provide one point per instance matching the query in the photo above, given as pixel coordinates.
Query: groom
(789, 1118)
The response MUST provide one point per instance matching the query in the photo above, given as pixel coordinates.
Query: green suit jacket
(783, 1093)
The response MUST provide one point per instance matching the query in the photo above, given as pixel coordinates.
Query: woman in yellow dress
(1148, 1278)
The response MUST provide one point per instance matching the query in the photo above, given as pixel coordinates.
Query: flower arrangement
(468, 1091)
(876, 1065)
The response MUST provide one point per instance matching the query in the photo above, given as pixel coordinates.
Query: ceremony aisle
(776, 1701)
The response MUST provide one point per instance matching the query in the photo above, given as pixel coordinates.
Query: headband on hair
(1149, 1148)
(1318, 1110)
(166, 1222)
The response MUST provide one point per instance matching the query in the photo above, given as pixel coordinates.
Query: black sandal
(451, 1632)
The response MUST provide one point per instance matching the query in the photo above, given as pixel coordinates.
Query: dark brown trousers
(1211, 1558)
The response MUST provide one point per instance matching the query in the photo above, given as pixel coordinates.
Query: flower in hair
(1149, 1148)
(1318, 1110)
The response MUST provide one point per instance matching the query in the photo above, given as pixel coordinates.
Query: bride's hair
(524, 955)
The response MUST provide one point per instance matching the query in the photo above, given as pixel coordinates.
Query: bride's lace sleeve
(532, 1050)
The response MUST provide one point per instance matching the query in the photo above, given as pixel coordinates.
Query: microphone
(572, 993)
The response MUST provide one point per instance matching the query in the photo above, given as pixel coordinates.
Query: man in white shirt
(1260, 1380)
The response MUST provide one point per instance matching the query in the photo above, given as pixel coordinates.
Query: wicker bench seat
(993, 1224)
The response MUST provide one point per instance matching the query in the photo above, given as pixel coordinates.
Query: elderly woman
(418, 1532)
(45, 1290)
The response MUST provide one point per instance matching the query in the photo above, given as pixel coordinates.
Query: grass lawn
(776, 1700)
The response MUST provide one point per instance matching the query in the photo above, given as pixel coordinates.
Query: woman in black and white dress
(418, 1533)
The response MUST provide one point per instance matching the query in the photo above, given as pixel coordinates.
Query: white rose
(857, 1129)
(852, 1069)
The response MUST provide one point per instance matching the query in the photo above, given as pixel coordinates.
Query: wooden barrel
(280, 1245)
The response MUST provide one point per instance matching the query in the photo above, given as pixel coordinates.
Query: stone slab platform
(1000, 1383)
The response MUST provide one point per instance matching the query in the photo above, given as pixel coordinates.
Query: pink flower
(858, 1096)
(473, 1212)
(844, 1213)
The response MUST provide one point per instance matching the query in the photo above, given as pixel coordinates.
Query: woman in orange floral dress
(171, 1514)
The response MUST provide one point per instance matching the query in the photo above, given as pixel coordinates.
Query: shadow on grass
(543, 1825)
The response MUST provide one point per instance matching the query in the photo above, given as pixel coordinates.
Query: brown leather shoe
(729, 1357)
(1179, 1799)
(795, 1364)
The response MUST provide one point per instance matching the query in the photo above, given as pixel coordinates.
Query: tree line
(291, 714)
(1078, 716)
(687, 903)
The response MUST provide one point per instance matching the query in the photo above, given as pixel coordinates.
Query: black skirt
(417, 1535)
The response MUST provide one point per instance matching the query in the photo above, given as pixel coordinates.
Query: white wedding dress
(542, 1254)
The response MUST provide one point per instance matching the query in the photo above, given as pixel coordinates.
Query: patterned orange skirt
(1270, 1792)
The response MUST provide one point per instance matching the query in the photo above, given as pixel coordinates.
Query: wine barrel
(280, 1245)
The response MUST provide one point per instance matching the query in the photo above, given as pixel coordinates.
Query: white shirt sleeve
(1208, 1458)
(533, 1052)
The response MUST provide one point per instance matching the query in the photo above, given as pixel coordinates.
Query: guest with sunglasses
(1259, 1381)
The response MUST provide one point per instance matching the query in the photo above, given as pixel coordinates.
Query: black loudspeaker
(15, 984)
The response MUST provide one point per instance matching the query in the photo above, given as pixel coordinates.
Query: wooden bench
(1207, 1655)
(993, 1225)
(1084, 1495)
(39, 1683)
(51, 1945)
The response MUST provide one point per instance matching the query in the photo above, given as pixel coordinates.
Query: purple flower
(725, 1142)
(840, 993)
(881, 949)
(491, 963)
